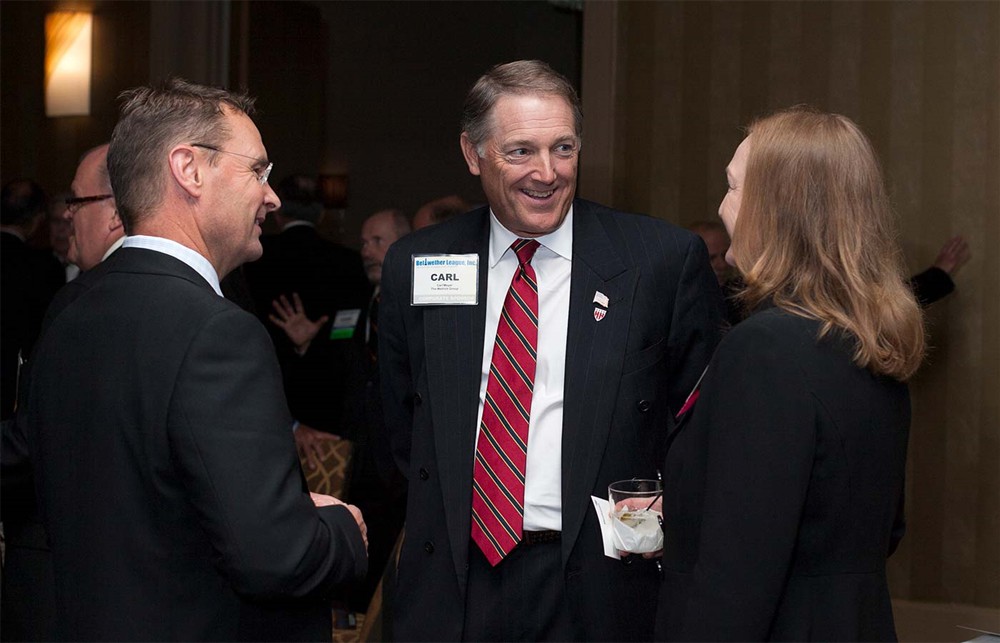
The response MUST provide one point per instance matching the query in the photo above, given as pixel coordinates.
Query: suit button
(417, 400)
(643, 406)
(423, 474)
(429, 547)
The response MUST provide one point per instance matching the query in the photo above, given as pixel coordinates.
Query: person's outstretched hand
(954, 254)
(291, 318)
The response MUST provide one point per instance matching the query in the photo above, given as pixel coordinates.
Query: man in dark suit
(502, 540)
(95, 231)
(327, 278)
(165, 469)
(30, 279)
(374, 483)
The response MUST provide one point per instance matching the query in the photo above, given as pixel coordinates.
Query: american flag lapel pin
(601, 309)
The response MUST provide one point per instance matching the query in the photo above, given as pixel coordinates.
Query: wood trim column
(599, 73)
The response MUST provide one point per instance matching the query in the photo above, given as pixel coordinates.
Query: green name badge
(344, 322)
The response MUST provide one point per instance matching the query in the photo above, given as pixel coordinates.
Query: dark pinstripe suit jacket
(625, 376)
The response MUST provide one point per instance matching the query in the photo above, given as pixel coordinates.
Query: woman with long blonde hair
(783, 484)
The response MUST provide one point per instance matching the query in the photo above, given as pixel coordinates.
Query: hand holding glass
(636, 508)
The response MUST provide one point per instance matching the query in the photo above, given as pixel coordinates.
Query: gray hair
(153, 120)
(515, 78)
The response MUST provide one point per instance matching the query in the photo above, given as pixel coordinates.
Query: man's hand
(308, 442)
(326, 501)
(291, 318)
(954, 253)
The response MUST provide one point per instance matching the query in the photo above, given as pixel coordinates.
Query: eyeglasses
(74, 203)
(262, 175)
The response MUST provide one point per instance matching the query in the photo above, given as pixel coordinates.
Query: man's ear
(186, 170)
(115, 222)
(471, 155)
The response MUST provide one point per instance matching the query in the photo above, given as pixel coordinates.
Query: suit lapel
(453, 337)
(595, 352)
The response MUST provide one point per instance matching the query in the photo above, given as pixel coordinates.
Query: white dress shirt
(114, 246)
(553, 267)
(198, 263)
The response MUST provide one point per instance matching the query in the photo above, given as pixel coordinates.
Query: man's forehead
(89, 170)
(378, 225)
(533, 111)
(243, 131)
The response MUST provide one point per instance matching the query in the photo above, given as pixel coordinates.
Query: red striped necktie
(502, 449)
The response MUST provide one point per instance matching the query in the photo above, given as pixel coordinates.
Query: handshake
(321, 500)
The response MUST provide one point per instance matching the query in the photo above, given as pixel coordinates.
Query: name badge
(445, 279)
(344, 322)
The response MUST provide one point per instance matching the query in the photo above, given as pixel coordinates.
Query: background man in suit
(30, 278)
(168, 481)
(627, 314)
(323, 278)
(375, 484)
(97, 229)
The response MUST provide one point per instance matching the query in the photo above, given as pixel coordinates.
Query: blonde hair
(816, 236)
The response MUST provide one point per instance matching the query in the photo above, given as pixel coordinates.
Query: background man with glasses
(97, 229)
(165, 469)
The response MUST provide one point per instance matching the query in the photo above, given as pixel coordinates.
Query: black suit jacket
(328, 277)
(931, 285)
(625, 376)
(167, 477)
(27, 612)
(783, 492)
(29, 278)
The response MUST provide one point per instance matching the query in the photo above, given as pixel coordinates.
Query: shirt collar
(198, 263)
(114, 246)
(12, 232)
(559, 241)
(296, 223)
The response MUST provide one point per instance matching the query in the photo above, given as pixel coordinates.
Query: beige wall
(666, 87)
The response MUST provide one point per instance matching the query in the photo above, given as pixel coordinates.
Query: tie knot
(525, 250)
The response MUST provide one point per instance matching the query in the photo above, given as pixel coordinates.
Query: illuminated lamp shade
(67, 63)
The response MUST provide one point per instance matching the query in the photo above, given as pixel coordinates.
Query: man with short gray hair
(532, 352)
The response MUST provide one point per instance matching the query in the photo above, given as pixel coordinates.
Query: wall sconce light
(67, 63)
(333, 190)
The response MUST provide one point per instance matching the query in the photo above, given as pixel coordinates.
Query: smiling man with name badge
(532, 351)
